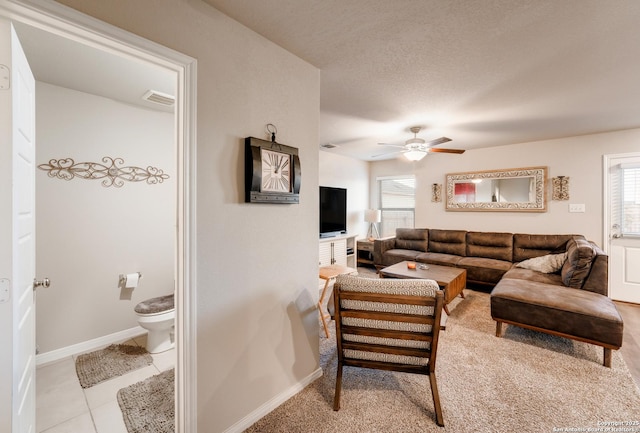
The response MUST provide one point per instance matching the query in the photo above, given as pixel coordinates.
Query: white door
(622, 225)
(17, 102)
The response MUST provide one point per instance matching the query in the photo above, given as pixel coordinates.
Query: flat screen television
(333, 211)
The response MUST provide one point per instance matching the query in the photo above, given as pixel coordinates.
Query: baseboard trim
(85, 346)
(272, 404)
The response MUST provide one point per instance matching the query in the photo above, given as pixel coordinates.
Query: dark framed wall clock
(272, 172)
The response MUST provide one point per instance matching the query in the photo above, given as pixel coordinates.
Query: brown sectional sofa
(572, 302)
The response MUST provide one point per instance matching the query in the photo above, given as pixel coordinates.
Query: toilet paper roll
(131, 280)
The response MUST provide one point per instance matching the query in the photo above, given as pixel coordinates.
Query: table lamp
(373, 216)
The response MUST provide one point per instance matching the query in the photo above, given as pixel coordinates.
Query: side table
(365, 252)
(328, 273)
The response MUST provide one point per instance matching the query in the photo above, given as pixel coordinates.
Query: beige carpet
(523, 382)
(115, 360)
(149, 406)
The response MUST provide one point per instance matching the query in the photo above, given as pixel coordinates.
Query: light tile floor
(62, 406)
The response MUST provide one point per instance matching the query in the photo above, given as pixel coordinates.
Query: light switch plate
(576, 207)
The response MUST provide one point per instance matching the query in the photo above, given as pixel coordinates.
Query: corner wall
(580, 158)
(256, 264)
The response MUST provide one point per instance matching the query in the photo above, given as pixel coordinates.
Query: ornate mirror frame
(537, 190)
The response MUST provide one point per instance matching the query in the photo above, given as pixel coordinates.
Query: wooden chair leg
(336, 397)
(498, 329)
(607, 357)
(446, 310)
(324, 317)
(436, 399)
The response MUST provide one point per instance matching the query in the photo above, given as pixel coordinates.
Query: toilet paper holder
(122, 279)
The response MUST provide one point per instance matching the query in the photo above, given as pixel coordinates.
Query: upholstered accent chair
(388, 324)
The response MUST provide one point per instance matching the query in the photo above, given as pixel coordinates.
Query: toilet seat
(155, 306)
(160, 313)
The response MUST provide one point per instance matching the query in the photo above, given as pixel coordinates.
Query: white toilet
(157, 315)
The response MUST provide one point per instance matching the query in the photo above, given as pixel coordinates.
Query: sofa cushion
(535, 276)
(448, 242)
(497, 246)
(578, 313)
(576, 269)
(438, 259)
(482, 270)
(547, 264)
(397, 255)
(598, 280)
(526, 246)
(412, 239)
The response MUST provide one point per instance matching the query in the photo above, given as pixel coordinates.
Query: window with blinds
(625, 188)
(397, 203)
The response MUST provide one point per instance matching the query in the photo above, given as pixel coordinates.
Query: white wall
(88, 234)
(256, 285)
(344, 172)
(580, 158)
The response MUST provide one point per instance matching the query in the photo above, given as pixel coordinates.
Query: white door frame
(69, 23)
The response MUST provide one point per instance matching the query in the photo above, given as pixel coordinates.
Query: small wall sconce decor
(110, 171)
(436, 192)
(560, 188)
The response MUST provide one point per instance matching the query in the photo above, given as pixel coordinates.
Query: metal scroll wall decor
(110, 171)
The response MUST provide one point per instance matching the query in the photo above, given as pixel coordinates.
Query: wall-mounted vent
(329, 146)
(159, 98)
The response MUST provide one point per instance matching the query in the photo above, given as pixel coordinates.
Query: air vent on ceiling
(329, 146)
(159, 98)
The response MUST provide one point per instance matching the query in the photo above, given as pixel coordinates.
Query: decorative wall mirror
(515, 189)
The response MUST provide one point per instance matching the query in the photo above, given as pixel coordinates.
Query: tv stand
(331, 235)
(338, 250)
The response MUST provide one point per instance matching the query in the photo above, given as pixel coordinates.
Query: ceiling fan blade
(387, 153)
(437, 141)
(392, 145)
(434, 149)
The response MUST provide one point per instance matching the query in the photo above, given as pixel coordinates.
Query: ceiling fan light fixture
(415, 155)
(414, 140)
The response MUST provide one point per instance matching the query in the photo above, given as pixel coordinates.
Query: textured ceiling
(483, 73)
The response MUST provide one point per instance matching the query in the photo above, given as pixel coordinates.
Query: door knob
(44, 283)
(615, 231)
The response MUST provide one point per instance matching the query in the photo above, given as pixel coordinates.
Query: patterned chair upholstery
(388, 324)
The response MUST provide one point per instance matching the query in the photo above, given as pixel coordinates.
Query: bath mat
(115, 360)
(149, 406)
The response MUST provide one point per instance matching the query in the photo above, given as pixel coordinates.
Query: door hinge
(5, 78)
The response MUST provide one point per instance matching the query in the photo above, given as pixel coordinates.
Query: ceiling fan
(416, 148)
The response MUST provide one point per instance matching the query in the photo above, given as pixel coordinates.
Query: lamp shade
(415, 155)
(373, 215)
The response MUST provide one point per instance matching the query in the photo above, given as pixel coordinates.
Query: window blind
(397, 203)
(625, 195)
(631, 201)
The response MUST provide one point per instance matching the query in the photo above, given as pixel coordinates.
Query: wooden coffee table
(451, 280)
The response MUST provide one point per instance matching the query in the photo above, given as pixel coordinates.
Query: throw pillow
(547, 264)
(580, 255)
